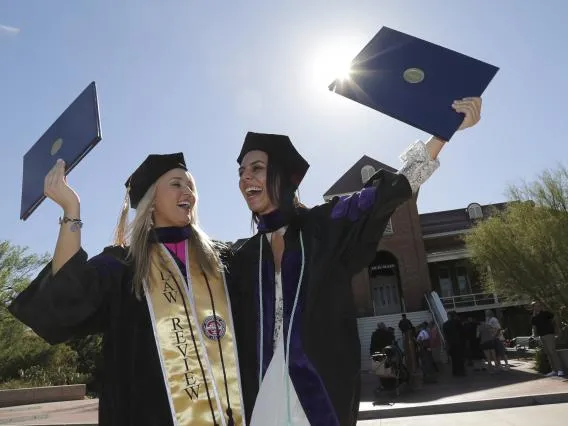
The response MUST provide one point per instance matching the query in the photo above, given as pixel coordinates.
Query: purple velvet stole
(271, 222)
(170, 236)
(353, 206)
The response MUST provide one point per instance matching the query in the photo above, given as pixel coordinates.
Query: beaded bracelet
(76, 224)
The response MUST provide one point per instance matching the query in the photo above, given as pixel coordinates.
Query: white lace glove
(418, 165)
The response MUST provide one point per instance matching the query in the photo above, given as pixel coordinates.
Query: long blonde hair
(135, 236)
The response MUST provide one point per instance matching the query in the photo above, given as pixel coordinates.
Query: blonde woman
(157, 295)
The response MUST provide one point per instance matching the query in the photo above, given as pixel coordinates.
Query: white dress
(270, 408)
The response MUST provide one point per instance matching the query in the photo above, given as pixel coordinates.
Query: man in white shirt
(492, 321)
(500, 351)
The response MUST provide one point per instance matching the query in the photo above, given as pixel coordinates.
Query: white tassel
(261, 313)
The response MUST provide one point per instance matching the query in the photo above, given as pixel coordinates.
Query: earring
(151, 219)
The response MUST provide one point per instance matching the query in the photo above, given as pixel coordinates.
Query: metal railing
(471, 300)
(436, 317)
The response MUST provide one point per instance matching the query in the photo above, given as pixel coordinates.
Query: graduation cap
(154, 166)
(280, 150)
(414, 81)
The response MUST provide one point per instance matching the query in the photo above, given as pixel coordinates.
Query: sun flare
(331, 64)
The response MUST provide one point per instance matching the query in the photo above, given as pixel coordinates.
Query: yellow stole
(187, 336)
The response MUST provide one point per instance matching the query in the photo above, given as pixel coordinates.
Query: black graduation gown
(95, 296)
(335, 249)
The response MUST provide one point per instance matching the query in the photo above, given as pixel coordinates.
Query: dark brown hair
(281, 192)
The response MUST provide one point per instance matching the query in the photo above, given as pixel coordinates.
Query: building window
(445, 282)
(367, 173)
(464, 285)
(474, 211)
(385, 295)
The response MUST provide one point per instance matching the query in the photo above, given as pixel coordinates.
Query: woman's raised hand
(471, 108)
(56, 188)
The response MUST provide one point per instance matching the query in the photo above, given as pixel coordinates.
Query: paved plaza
(551, 415)
(477, 398)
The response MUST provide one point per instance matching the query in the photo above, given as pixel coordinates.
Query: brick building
(398, 277)
(419, 254)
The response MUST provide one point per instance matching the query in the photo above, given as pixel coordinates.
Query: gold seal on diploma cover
(56, 146)
(413, 75)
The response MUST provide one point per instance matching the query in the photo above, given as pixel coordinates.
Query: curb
(40, 395)
(432, 409)
(56, 424)
(461, 407)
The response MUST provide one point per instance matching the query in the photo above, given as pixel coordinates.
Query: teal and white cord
(290, 325)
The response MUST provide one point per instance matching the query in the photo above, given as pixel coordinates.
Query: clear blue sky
(195, 76)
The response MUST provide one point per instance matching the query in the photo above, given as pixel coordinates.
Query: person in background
(408, 334)
(380, 338)
(404, 324)
(543, 326)
(475, 354)
(486, 334)
(471, 340)
(455, 339)
(498, 346)
(425, 353)
(435, 345)
(501, 350)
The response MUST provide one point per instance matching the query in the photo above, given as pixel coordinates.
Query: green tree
(16, 267)
(25, 358)
(90, 361)
(522, 252)
(19, 347)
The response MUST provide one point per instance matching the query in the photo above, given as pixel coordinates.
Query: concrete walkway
(54, 413)
(518, 387)
(552, 415)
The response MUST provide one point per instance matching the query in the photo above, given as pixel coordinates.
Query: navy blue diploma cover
(70, 137)
(414, 81)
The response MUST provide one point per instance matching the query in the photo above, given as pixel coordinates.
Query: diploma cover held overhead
(70, 138)
(414, 81)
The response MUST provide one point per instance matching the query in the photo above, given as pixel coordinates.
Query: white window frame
(474, 211)
(367, 173)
